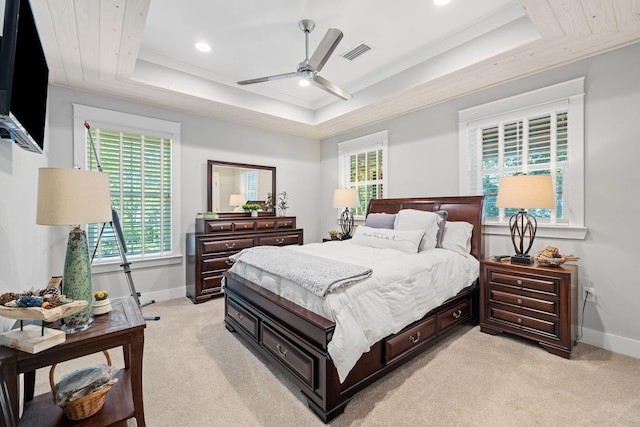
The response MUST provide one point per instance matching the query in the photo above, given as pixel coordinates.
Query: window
(363, 166)
(539, 132)
(250, 185)
(140, 162)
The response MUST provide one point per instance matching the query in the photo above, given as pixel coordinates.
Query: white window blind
(363, 166)
(539, 132)
(139, 169)
(142, 157)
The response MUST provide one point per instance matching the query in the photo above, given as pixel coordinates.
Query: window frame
(363, 144)
(126, 122)
(546, 99)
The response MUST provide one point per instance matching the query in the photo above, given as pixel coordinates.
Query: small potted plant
(209, 215)
(334, 234)
(101, 303)
(252, 207)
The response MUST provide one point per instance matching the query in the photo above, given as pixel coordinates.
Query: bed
(298, 340)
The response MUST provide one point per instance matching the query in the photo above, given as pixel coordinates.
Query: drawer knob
(519, 320)
(519, 282)
(457, 314)
(416, 339)
(279, 241)
(229, 262)
(282, 352)
(230, 246)
(239, 316)
(519, 301)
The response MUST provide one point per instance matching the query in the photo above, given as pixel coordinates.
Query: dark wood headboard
(462, 208)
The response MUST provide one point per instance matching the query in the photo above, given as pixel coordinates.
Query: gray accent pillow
(441, 225)
(380, 220)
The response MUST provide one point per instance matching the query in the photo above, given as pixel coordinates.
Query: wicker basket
(85, 406)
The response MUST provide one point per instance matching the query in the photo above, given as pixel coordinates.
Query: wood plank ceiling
(570, 30)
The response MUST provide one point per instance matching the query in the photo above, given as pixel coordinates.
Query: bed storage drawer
(459, 313)
(410, 338)
(291, 356)
(242, 318)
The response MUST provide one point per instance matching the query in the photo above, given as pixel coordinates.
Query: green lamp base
(76, 281)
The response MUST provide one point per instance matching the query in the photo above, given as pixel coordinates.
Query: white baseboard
(163, 295)
(611, 342)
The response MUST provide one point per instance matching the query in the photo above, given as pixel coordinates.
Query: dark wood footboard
(295, 340)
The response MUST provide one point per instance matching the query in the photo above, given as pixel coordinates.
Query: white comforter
(401, 290)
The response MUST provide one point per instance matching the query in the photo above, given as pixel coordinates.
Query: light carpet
(196, 373)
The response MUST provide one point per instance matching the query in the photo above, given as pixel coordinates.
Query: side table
(535, 302)
(122, 327)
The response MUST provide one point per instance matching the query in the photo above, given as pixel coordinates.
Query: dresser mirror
(230, 185)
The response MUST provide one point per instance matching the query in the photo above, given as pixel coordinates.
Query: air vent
(356, 51)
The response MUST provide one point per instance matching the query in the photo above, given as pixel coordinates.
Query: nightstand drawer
(537, 283)
(547, 306)
(520, 321)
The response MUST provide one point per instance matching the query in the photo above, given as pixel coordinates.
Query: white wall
(30, 254)
(423, 161)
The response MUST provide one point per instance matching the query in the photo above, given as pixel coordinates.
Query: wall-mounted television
(24, 77)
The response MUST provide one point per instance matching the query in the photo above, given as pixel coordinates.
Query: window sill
(551, 231)
(136, 264)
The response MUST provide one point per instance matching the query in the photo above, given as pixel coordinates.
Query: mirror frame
(212, 163)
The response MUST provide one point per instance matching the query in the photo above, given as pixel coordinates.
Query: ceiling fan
(309, 68)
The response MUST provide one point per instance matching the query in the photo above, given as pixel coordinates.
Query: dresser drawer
(244, 225)
(286, 223)
(547, 306)
(242, 318)
(538, 283)
(409, 339)
(265, 225)
(216, 227)
(518, 320)
(291, 356)
(211, 283)
(457, 314)
(216, 264)
(289, 239)
(212, 246)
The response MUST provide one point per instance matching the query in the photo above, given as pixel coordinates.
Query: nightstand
(535, 302)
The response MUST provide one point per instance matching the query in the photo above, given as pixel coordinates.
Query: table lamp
(524, 192)
(74, 197)
(236, 200)
(346, 198)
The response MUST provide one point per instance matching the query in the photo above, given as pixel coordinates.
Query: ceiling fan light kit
(309, 68)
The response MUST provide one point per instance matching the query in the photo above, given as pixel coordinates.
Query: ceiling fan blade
(268, 78)
(325, 49)
(325, 84)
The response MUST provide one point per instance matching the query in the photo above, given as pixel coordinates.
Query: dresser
(535, 302)
(215, 240)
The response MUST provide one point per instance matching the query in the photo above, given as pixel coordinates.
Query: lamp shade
(526, 192)
(236, 200)
(72, 197)
(346, 198)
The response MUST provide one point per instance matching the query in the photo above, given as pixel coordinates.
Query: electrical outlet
(588, 294)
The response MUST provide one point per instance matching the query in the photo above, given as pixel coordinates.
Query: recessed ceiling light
(440, 2)
(203, 47)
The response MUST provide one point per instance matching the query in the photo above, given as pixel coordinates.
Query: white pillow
(457, 236)
(413, 219)
(384, 238)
